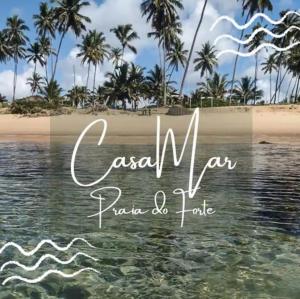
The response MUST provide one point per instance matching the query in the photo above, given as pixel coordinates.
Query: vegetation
(127, 82)
(24, 106)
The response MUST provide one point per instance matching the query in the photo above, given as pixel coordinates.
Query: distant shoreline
(275, 124)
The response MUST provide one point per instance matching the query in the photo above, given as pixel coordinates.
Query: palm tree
(215, 87)
(16, 38)
(244, 90)
(35, 54)
(67, 14)
(2, 99)
(137, 83)
(5, 50)
(177, 56)
(291, 20)
(125, 83)
(164, 19)
(293, 61)
(46, 50)
(206, 60)
(51, 91)
(160, 13)
(44, 21)
(36, 82)
(46, 27)
(167, 38)
(78, 95)
(155, 83)
(125, 34)
(252, 6)
(115, 56)
(255, 43)
(86, 52)
(268, 67)
(192, 49)
(100, 51)
(93, 50)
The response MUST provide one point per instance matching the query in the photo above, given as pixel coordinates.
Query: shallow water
(250, 248)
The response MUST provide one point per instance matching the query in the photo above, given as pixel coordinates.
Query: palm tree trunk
(192, 50)
(94, 84)
(236, 62)
(172, 71)
(88, 76)
(277, 78)
(292, 93)
(234, 69)
(57, 54)
(94, 80)
(164, 74)
(123, 51)
(297, 90)
(280, 79)
(74, 79)
(255, 80)
(270, 87)
(287, 92)
(278, 86)
(15, 78)
(160, 59)
(46, 70)
(51, 54)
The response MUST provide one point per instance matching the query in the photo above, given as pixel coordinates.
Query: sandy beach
(279, 124)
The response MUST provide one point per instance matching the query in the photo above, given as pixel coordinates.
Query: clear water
(250, 248)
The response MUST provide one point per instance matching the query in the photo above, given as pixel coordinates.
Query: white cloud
(66, 68)
(264, 79)
(105, 16)
(112, 13)
(16, 11)
(190, 18)
(129, 12)
(6, 85)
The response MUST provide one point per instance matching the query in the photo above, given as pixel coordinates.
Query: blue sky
(108, 13)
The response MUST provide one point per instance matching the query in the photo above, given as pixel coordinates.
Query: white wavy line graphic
(44, 257)
(43, 242)
(255, 32)
(264, 45)
(43, 276)
(249, 23)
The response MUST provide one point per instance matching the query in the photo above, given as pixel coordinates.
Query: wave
(250, 22)
(43, 276)
(44, 257)
(264, 45)
(255, 32)
(43, 242)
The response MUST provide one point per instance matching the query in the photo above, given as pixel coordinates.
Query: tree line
(128, 81)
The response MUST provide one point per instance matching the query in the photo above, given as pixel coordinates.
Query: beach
(274, 124)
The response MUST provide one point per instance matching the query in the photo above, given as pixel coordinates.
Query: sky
(106, 14)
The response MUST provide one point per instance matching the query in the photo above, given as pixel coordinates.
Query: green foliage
(206, 103)
(125, 34)
(31, 107)
(52, 91)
